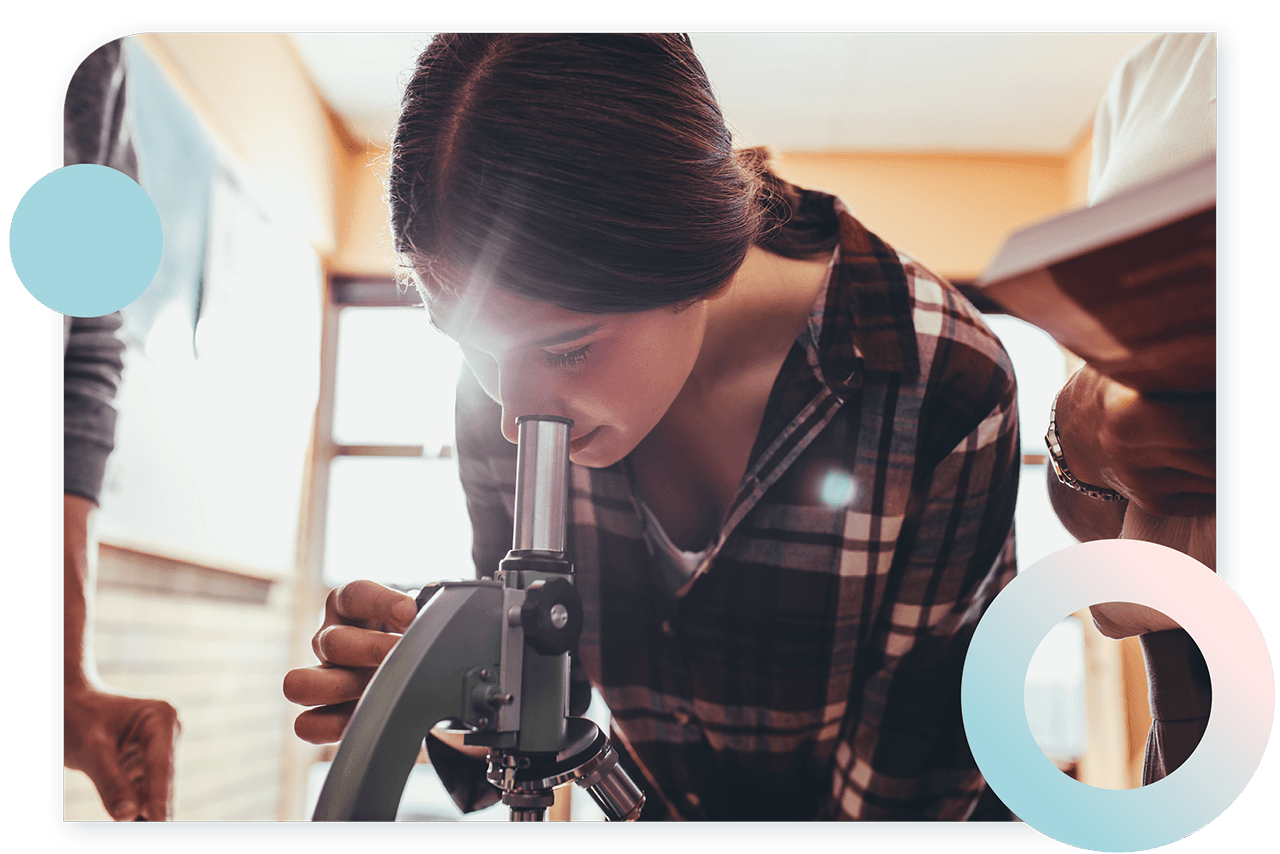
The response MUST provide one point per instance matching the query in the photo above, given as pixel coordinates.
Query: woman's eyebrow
(565, 337)
(550, 341)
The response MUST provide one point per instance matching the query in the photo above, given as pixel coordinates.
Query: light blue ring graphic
(85, 240)
(995, 717)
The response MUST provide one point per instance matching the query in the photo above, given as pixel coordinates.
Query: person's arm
(1159, 452)
(1180, 695)
(1085, 518)
(903, 755)
(124, 744)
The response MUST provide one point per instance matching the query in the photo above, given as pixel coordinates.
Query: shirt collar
(862, 319)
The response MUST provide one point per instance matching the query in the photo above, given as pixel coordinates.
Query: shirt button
(668, 629)
(681, 716)
(692, 799)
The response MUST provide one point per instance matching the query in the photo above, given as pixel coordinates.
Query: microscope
(490, 657)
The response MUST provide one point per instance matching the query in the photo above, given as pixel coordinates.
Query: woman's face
(615, 375)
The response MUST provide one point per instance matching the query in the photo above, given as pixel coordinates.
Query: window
(391, 503)
(396, 511)
(1040, 367)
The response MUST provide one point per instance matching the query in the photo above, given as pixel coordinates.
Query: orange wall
(1079, 159)
(951, 211)
(364, 237)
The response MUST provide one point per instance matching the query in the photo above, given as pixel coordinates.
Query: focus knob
(552, 616)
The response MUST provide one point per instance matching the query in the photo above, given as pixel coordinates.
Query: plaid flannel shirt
(810, 669)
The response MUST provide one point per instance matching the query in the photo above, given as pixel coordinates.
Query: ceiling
(1011, 92)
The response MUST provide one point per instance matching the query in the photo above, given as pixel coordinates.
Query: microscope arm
(492, 655)
(420, 683)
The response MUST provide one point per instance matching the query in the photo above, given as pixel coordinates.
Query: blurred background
(286, 416)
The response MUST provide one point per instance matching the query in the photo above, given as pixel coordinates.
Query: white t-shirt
(676, 564)
(1159, 112)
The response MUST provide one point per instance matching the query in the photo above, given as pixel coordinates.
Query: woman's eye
(568, 360)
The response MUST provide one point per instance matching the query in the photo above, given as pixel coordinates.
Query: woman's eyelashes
(571, 359)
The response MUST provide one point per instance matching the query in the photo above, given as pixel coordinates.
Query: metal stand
(587, 760)
(492, 657)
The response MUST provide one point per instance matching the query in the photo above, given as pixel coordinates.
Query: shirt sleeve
(903, 754)
(92, 366)
(96, 129)
(1159, 112)
(1180, 697)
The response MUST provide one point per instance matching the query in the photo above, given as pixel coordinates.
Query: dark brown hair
(594, 172)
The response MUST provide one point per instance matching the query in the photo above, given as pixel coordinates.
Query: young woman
(795, 449)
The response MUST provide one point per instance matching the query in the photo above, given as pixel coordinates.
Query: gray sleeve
(96, 129)
(92, 366)
(96, 125)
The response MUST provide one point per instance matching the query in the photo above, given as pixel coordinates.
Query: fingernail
(123, 809)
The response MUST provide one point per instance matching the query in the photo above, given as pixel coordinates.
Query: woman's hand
(125, 745)
(362, 622)
(1159, 452)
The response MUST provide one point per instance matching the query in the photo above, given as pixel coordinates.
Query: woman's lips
(576, 445)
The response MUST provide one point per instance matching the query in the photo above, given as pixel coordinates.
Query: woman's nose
(525, 390)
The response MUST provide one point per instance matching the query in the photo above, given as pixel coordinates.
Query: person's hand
(362, 622)
(125, 745)
(1119, 620)
(1157, 451)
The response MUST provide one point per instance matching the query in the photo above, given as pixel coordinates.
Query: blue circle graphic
(85, 240)
(995, 717)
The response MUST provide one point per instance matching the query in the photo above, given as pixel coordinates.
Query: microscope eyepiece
(542, 483)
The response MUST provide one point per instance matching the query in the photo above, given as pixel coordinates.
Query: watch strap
(1059, 463)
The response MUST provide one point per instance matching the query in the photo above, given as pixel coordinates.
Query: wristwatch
(1059, 463)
